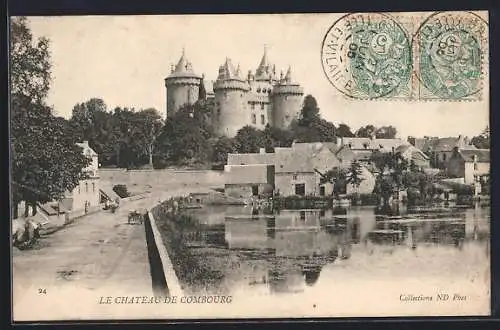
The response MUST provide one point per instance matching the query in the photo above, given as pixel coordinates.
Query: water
(241, 251)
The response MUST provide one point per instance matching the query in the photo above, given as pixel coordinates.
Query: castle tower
(182, 86)
(230, 112)
(287, 101)
(259, 98)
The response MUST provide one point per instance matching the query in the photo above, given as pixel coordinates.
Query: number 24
(42, 291)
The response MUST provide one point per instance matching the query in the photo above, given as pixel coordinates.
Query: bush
(121, 190)
(368, 199)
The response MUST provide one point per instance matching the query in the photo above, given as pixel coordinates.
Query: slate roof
(372, 144)
(442, 144)
(483, 155)
(413, 149)
(302, 157)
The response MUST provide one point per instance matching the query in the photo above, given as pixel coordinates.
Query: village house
(245, 181)
(471, 165)
(415, 155)
(441, 149)
(87, 194)
(298, 170)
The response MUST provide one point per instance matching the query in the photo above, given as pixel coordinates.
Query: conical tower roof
(183, 68)
(228, 71)
(288, 76)
(264, 70)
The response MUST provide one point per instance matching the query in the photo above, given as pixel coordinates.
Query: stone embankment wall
(164, 280)
(165, 179)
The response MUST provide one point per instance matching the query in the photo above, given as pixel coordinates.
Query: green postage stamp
(411, 56)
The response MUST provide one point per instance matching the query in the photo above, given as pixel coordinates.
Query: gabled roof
(483, 155)
(372, 144)
(443, 144)
(404, 148)
(302, 157)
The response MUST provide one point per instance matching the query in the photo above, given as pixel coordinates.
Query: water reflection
(286, 251)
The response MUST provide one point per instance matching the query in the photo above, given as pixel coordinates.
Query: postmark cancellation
(407, 56)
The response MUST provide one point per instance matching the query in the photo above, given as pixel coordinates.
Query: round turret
(182, 86)
(230, 112)
(287, 100)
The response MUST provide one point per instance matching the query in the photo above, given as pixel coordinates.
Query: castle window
(262, 119)
(262, 106)
(254, 119)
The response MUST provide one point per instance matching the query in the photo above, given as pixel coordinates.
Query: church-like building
(258, 99)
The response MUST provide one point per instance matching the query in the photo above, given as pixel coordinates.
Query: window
(475, 166)
(302, 215)
(93, 187)
(258, 90)
(295, 176)
(444, 157)
(262, 119)
(252, 106)
(79, 190)
(86, 187)
(262, 106)
(322, 193)
(300, 189)
(254, 119)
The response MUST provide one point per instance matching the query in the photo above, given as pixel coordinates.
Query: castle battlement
(258, 100)
(231, 84)
(288, 89)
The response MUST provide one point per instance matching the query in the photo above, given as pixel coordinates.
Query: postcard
(234, 166)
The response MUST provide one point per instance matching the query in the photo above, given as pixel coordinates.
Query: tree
(185, 137)
(386, 132)
(45, 162)
(310, 110)
(221, 148)
(366, 131)
(30, 64)
(392, 168)
(482, 141)
(338, 177)
(145, 129)
(354, 174)
(249, 140)
(344, 131)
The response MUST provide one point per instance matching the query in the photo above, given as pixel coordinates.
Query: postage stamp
(450, 50)
(368, 56)
(411, 56)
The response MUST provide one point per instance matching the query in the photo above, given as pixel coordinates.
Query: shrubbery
(121, 190)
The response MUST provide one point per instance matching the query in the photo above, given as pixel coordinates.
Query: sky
(124, 60)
